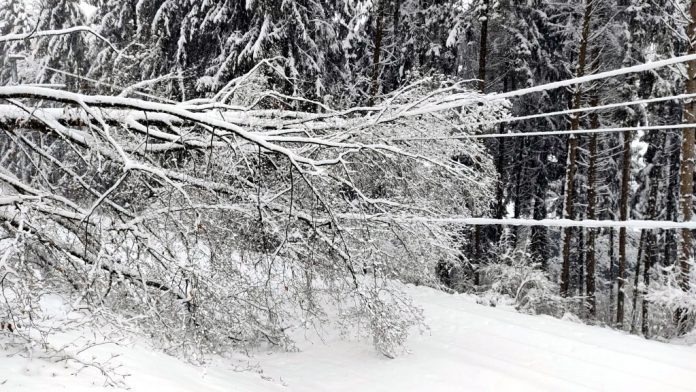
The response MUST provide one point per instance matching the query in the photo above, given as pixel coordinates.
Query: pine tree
(62, 57)
(118, 23)
(13, 19)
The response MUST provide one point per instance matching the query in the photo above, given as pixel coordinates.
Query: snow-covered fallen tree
(229, 220)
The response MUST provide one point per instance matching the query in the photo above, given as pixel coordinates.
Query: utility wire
(551, 133)
(586, 109)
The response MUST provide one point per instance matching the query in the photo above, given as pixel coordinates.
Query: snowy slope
(476, 348)
(469, 348)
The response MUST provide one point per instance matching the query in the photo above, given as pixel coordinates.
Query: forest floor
(469, 347)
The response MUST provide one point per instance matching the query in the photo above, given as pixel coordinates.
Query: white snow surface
(469, 347)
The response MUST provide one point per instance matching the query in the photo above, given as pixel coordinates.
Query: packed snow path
(470, 347)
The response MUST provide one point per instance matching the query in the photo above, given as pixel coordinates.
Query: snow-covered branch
(49, 33)
(196, 213)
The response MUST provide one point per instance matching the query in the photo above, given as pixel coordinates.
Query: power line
(550, 133)
(585, 109)
(554, 85)
(455, 219)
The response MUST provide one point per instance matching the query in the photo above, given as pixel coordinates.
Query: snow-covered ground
(469, 347)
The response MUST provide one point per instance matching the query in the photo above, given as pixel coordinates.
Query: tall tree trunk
(636, 281)
(612, 268)
(649, 261)
(538, 233)
(623, 216)
(591, 214)
(521, 172)
(500, 166)
(379, 32)
(500, 191)
(477, 255)
(651, 247)
(648, 237)
(581, 263)
(397, 17)
(686, 172)
(571, 166)
(671, 210)
(396, 42)
(483, 46)
(499, 212)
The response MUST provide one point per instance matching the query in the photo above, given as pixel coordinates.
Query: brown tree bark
(590, 261)
(483, 46)
(397, 17)
(636, 280)
(612, 267)
(623, 215)
(379, 32)
(648, 262)
(672, 208)
(396, 44)
(686, 172)
(649, 253)
(483, 51)
(500, 166)
(571, 166)
(521, 172)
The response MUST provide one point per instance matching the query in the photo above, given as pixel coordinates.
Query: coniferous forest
(214, 176)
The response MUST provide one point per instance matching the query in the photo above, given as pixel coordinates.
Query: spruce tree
(13, 20)
(63, 58)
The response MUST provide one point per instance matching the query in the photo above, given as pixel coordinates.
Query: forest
(216, 175)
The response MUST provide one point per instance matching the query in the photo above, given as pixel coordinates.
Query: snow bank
(470, 348)
(148, 369)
